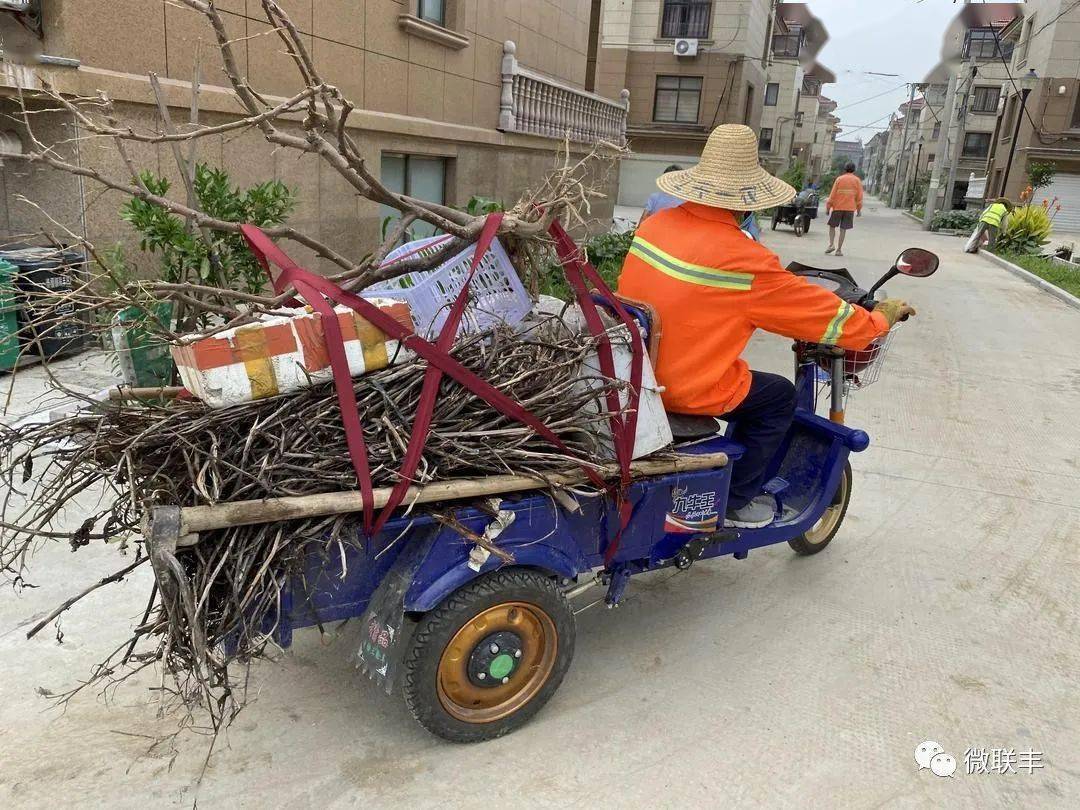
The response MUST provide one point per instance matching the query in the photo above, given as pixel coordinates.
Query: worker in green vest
(990, 224)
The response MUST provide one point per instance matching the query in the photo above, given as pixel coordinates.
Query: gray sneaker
(756, 514)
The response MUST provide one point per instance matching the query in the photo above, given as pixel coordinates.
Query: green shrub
(226, 262)
(606, 252)
(795, 176)
(1026, 231)
(1041, 174)
(1065, 277)
(955, 220)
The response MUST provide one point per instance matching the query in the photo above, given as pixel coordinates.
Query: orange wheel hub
(497, 662)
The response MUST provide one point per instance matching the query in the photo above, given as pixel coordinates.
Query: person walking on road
(844, 204)
(989, 225)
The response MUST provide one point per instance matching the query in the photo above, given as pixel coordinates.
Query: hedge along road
(945, 610)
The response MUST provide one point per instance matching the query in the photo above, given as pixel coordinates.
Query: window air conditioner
(686, 47)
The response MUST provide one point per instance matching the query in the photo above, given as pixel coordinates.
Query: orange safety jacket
(846, 194)
(712, 286)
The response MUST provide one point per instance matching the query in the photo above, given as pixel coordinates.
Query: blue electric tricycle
(478, 644)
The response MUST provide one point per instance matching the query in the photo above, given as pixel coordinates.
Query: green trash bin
(9, 317)
(145, 359)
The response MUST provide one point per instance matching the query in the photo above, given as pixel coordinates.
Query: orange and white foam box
(284, 353)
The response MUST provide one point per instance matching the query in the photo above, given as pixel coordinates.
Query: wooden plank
(195, 519)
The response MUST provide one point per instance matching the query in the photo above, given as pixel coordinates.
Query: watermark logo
(932, 756)
(925, 753)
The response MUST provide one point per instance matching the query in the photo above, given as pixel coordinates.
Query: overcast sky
(883, 36)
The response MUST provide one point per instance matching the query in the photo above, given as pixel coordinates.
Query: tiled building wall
(359, 44)
(413, 96)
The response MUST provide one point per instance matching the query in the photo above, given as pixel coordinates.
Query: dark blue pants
(761, 422)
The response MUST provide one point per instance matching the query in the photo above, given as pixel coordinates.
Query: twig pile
(185, 453)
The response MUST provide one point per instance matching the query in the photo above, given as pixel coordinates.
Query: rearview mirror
(917, 262)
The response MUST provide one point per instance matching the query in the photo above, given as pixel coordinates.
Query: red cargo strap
(425, 409)
(623, 426)
(301, 279)
(314, 287)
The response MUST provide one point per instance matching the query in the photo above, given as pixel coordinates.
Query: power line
(871, 98)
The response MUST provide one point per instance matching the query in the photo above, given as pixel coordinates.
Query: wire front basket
(862, 368)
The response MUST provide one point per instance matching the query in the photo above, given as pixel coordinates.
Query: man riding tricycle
(478, 642)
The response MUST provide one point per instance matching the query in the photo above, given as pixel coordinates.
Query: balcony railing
(535, 104)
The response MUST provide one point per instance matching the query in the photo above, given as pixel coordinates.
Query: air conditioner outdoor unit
(686, 47)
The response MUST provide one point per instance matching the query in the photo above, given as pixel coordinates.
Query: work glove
(894, 310)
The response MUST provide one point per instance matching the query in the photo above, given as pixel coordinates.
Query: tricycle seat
(685, 427)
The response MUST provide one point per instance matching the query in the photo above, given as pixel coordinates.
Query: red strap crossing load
(320, 294)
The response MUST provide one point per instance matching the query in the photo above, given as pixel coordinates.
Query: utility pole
(961, 132)
(942, 148)
(903, 145)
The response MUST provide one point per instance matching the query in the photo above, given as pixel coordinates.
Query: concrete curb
(1031, 278)
(910, 215)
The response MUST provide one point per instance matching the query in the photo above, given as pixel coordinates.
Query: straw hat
(729, 175)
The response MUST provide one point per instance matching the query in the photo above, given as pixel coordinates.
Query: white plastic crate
(497, 294)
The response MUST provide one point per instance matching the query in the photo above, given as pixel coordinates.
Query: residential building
(797, 38)
(1044, 38)
(690, 65)
(890, 157)
(850, 152)
(816, 127)
(442, 111)
(910, 153)
(823, 140)
(872, 158)
(975, 51)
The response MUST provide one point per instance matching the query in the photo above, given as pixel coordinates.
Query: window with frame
(811, 86)
(787, 45)
(937, 131)
(984, 43)
(765, 138)
(686, 19)
(677, 100)
(985, 99)
(1008, 122)
(976, 144)
(434, 11)
(772, 94)
(417, 176)
(1025, 40)
(1075, 124)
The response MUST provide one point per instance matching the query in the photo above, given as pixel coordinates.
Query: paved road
(945, 610)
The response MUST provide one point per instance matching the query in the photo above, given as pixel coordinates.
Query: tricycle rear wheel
(821, 533)
(490, 656)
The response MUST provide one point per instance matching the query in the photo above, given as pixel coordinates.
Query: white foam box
(284, 353)
(653, 431)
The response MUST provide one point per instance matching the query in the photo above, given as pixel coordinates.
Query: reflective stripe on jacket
(712, 287)
(994, 214)
(846, 194)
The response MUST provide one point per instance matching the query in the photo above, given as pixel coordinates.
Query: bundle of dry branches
(184, 453)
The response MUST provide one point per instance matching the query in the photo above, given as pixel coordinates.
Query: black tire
(815, 540)
(798, 226)
(806, 224)
(775, 219)
(424, 663)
